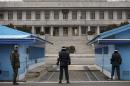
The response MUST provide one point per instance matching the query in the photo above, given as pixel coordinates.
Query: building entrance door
(56, 31)
(47, 30)
(65, 31)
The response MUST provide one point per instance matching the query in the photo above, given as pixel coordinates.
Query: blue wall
(5, 64)
(124, 50)
(35, 54)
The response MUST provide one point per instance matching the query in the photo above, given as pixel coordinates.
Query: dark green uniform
(15, 64)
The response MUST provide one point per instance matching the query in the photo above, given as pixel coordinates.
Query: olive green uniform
(15, 65)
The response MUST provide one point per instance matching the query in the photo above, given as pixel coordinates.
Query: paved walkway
(88, 83)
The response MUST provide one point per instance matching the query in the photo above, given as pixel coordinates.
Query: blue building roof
(13, 36)
(104, 37)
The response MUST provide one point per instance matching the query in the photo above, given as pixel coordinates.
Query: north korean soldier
(64, 60)
(116, 61)
(14, 57)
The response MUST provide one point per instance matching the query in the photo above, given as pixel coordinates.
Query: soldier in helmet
(64, 60)
(15, 63)
(116, 61)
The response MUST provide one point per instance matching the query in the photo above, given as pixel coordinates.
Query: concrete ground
(89, 83)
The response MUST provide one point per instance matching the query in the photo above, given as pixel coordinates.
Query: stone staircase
(80, 43)
(84, 53)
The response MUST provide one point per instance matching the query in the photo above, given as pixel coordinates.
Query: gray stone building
(64, 18)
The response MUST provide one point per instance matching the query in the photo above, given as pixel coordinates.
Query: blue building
(106, 43)
(31, 50)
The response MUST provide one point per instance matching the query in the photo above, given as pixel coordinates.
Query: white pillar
(60, 15)
(14, 15)
(79, 30)
(23, 15)
(78, 14)
(70, 15)
(97, 15)
(124, 15)
(89, 28)
(33, 30)
(106, 15)
(32, 15)
(42, 29)
(115, 15)
(51, 30)
(42, 15)
(69, 31)
(88, 15)
(51, 15)
(98, 30)
(60, 31)
(6, 15)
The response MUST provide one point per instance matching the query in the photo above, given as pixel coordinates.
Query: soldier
(15, 63)
(64, 60)
(116, 61)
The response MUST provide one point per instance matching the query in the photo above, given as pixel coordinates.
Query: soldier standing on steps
(14, 57)
(64, 60)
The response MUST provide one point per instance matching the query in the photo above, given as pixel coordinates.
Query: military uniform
(116, 60)
(64, 60)
(15, 64)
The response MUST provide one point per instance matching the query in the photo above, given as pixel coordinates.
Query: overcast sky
(21, 0)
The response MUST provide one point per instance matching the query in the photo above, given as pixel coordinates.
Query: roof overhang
(113, 41)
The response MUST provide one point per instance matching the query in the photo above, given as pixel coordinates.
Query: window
(56, 14)
(19, 15)
(92, 15)
(65, 14)
(28, 14)
(10, 15)
(1, 15)
(83, 15)
(47, 14)
(128, 15)
(74, 14)
(110, 14)
(101, 14)
(119, 15)
(37, 15)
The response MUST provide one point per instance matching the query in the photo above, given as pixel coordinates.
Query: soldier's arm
(69, 58)
(58, 59)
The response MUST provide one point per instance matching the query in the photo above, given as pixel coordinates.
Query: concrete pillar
(42, 29)
(88, 15)
(14, 15)
(42, 15)
(33, 30)
(23, 15)
(79, 30)
(78, 14)
(70, 15)
(60, 31)
(89, 28)
(60, 15)
(51, 15)
(98, 30)
(51, 30)
(115, 15)
(69, 31)
(6, 15)
(32, 15)
(124, 15)
(105, 15)
(97, 15)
